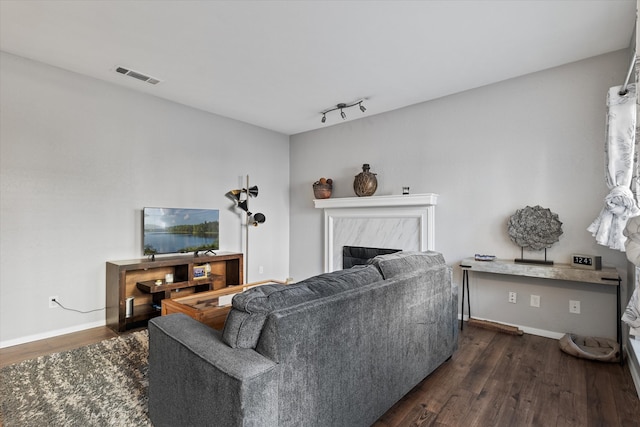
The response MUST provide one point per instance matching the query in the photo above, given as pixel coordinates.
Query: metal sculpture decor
(535, 228)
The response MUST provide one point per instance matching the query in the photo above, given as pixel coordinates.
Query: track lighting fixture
(342, 107)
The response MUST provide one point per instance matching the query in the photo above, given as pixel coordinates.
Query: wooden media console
(143, 282)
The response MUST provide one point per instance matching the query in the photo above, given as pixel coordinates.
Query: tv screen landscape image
(175, 230)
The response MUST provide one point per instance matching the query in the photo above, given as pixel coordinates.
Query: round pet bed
(592, 348)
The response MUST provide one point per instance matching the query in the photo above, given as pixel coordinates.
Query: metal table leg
(618, 316)
(465, 283)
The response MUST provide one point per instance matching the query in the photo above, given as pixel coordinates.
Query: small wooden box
(589, 262)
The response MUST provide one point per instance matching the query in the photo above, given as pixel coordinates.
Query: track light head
(362, 107)
(344, 116)
(324, 118)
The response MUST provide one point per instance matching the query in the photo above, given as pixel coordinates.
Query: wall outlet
(52, 304)
(261, 269)
(574, 307)
(512, 297)
(535, 300)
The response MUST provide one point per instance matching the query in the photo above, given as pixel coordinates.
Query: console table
(607, 276)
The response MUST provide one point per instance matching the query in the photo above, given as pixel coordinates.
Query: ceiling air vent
(137, 75)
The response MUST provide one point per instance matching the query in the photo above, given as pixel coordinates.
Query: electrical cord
(73, 309)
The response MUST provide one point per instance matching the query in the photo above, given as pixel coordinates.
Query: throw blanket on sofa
(631, 315)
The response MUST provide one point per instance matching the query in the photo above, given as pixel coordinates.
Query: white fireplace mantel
(428, 199)
(404, 222)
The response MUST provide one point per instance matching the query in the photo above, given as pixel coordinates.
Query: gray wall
(534, 140)
(80, 158)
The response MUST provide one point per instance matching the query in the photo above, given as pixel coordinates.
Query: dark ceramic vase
(365, 183)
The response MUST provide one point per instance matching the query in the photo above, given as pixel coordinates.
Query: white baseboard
(526, 329)
(51, 334)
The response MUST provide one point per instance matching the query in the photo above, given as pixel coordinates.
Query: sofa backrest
(250, 309)
(392, 265)
(345, 359)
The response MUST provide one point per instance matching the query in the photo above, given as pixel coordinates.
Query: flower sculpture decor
(536, 228)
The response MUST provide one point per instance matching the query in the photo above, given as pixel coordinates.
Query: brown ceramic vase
(365, 183)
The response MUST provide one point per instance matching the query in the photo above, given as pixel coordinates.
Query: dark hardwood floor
(494, 379)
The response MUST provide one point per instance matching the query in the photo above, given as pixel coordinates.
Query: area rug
(103, 384)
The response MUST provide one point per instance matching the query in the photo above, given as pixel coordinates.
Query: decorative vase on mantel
(365, 183)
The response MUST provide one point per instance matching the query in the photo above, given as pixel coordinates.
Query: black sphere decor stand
(524, 260)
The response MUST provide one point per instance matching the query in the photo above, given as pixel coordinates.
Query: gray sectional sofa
(338, 349)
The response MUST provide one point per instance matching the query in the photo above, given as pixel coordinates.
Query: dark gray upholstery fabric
(244, 323)
(340, 359)
(344, 360)
(197, 380)
(454, 313)
(391, 265)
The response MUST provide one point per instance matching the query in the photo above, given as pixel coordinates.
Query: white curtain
(620, 204)
(631, 315)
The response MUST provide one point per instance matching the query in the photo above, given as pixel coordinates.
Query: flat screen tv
(174, 230)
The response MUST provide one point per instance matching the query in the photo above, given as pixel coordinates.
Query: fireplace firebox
(358, 255)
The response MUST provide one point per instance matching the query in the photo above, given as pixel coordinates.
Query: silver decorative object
(535, 228)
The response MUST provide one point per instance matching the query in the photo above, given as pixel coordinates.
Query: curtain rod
(624, 91)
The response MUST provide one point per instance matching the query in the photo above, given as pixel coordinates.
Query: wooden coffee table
(210, 307)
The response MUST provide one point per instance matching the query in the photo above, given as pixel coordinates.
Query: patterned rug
(103, 384)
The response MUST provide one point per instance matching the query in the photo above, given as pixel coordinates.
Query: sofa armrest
(454, 313)
(196, 379)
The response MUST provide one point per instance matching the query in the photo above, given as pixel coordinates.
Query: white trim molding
(429, 199)
(404, 222)
(51, 334)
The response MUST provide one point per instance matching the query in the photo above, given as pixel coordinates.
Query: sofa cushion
(392, 265)
(250, 309)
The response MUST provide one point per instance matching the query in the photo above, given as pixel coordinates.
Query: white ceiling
(278, 64)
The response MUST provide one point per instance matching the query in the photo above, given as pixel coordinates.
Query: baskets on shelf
(322, 191)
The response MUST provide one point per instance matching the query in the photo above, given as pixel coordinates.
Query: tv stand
(144, 280)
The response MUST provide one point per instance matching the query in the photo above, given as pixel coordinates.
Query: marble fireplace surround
(404, 222)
